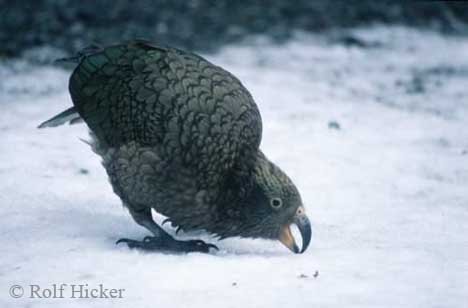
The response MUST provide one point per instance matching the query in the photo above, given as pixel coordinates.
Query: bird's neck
(240, 202)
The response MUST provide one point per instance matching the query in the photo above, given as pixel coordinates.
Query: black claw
(130, 243)
(177, 230)
(122, 240)
(173, 225)
(212, 246)
(201, 246)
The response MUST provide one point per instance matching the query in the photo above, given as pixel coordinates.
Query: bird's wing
(197, 113)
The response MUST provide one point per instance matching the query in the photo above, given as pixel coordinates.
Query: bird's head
(273, 205)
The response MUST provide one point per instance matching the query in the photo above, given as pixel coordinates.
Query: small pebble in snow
(354, 41)
(334, 125)
(316, 274)
(83, 171)
(303, 276)
(234, 284)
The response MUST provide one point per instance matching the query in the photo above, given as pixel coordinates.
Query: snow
(386, 193)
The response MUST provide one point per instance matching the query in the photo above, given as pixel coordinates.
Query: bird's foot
(167, 243)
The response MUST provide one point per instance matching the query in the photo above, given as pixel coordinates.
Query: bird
(181, 136)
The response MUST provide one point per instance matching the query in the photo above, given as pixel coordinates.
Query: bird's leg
(161, 241)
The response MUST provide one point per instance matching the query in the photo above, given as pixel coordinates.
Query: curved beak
(303, 224)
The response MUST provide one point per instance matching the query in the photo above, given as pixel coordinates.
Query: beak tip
(296, 250)
(304, 226)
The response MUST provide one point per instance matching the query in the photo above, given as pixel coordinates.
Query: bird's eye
(276, 203)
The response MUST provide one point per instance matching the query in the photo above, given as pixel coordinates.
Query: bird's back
(195, 113)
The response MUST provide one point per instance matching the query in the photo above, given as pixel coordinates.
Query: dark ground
(203, 25)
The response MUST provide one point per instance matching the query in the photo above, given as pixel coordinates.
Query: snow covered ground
(376, 139)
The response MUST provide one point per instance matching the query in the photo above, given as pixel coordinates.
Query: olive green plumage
(180, 135)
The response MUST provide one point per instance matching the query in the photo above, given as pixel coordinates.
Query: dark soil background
(70, 25)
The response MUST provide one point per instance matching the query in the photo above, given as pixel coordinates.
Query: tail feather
(91, 49)
(69, 115)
